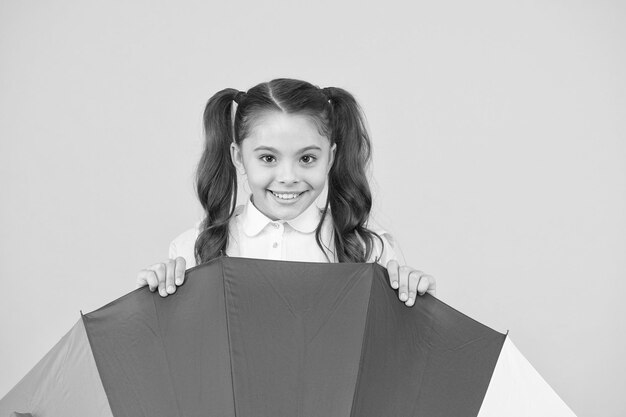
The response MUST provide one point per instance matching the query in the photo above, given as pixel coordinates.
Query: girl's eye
(308, 159)
(267, 158)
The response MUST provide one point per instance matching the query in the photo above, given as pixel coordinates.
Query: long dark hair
(337, 116)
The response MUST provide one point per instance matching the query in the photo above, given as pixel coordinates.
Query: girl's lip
(286, 192)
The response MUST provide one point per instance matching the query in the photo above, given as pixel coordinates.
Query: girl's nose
(287, 174)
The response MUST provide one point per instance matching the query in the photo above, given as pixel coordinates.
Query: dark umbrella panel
(255, 338)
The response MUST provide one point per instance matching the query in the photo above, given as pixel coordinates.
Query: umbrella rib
(230, 350)
(357, 383)
(167, 361)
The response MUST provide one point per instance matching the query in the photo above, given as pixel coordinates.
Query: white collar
(253, 221)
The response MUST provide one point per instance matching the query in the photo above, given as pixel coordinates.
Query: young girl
(289, 139)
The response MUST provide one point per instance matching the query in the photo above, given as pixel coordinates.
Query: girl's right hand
(164, 276)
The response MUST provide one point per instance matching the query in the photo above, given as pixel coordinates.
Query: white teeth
(286, 196)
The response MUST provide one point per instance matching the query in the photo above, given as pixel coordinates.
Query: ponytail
(216, 177)
(349, 195)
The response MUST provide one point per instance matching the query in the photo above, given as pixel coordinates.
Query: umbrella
(250, 337)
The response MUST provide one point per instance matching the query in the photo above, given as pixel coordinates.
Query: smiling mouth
(287, 196)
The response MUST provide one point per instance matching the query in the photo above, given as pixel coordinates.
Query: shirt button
(275, 245)
(275, 225)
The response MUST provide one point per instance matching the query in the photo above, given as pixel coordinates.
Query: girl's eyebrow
(269, 148)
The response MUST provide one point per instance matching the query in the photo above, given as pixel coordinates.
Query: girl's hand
(164, 276)
(410, 282)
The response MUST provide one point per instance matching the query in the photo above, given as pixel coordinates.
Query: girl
(289, 139)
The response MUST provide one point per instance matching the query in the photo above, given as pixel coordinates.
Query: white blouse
(253, 235)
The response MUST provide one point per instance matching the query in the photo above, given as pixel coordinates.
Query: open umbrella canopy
(249, 337)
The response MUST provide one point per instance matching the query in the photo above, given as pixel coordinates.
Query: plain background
(499, 135)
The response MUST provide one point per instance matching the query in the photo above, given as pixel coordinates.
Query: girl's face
(286, 161)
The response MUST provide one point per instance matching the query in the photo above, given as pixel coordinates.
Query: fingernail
(171, 289)
(179, 281)
(163, 293)
(411, 301)
(394, 284)
(403, 296)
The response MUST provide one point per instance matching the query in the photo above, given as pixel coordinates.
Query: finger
(180, 270)
(153, 280)
(414, 279)
(403, 278)
(392, 271)
(159, 269)
(141, 279)
(422, 287)
(430, 285)
(170, 267)
(147, 277)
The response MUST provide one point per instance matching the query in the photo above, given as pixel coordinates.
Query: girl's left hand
(409, 282)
